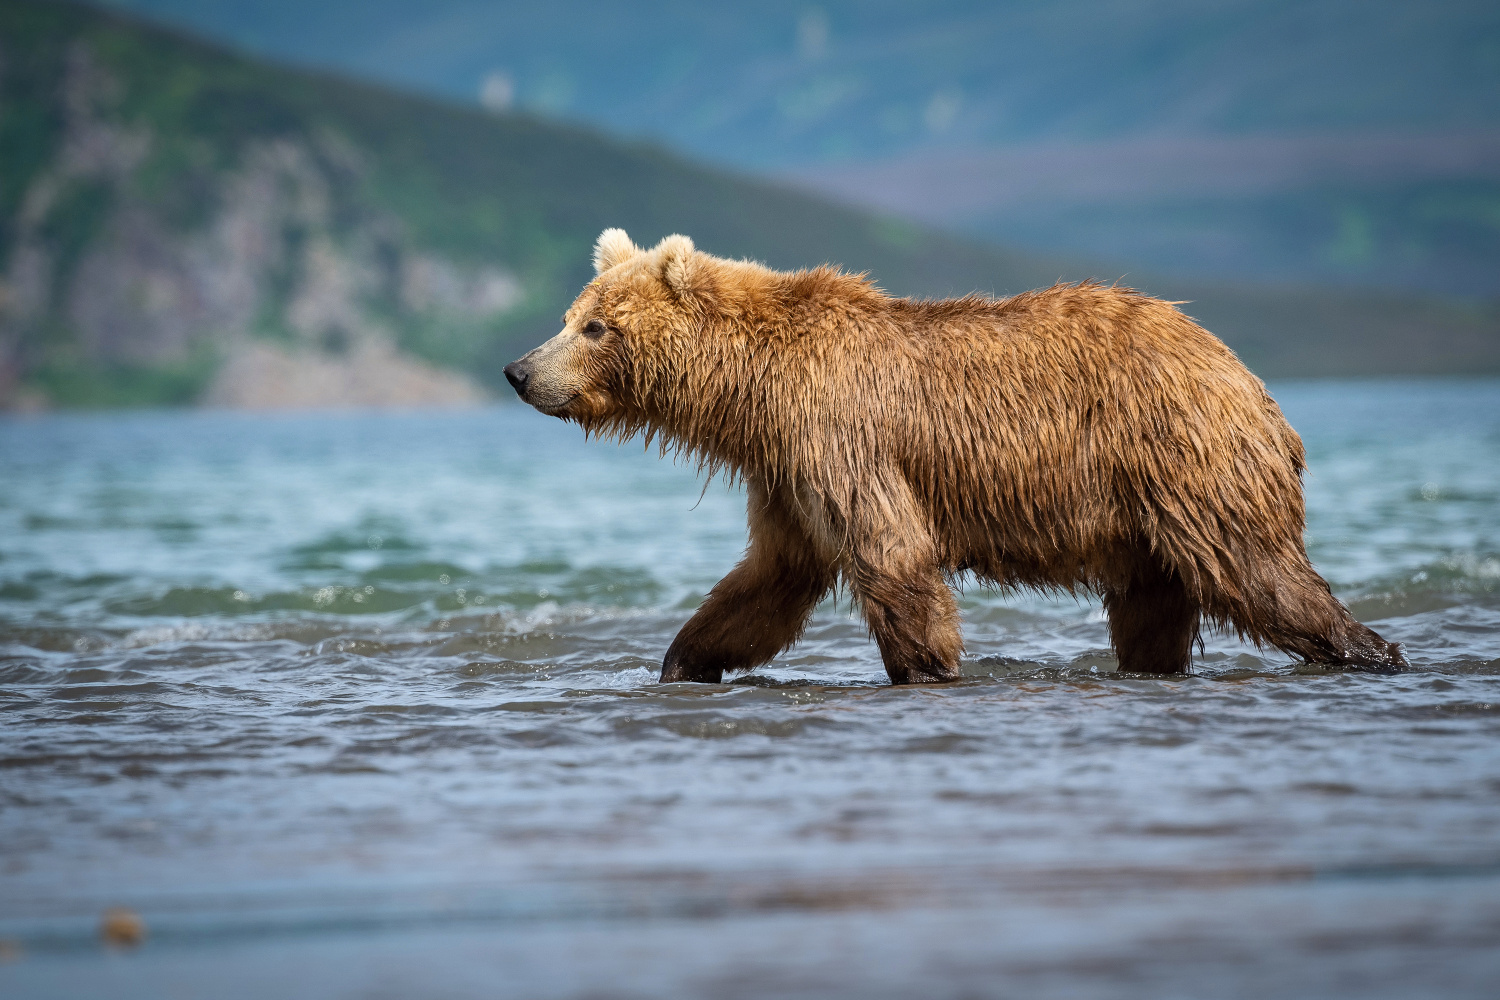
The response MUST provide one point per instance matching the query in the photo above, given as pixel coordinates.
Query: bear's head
(713, 357)
(643, 316)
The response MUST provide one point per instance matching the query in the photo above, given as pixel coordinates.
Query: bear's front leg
(895, 575)
(761, 607)
(914, 620)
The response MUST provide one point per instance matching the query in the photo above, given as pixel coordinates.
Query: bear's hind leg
(1306, 620)
(1152, 623)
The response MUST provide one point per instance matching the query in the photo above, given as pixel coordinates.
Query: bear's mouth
(557, 409)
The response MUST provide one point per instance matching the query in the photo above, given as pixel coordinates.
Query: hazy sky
(778, 83)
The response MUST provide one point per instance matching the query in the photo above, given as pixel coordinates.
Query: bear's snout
(517, 374)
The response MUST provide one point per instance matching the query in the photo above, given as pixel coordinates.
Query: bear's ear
(678, 266)
(614, 247)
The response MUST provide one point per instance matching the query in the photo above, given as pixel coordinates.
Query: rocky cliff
(274, 289)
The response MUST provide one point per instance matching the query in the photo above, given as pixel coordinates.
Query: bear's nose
(517, 376)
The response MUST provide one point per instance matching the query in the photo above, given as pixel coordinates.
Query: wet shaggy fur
(1077, 437)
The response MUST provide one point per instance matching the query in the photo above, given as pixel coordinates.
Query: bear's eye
(594, 329)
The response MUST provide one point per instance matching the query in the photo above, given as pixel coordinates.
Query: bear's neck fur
(740, 366)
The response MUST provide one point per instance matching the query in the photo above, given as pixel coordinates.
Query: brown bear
(1081, 437)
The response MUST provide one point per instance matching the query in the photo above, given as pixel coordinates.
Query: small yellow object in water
(10, 951)
(122, 928)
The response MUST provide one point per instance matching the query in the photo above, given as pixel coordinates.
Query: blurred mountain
(1376, 209)
(1325, 141)
(179, 223)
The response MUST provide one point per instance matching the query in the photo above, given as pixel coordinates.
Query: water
(366, 706)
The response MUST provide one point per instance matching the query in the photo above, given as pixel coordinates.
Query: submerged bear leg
(760, 608)
(1305, 619)
(1152, 623)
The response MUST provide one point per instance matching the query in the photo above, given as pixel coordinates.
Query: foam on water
(379, 691)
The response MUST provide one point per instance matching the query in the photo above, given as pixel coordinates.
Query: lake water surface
(365, 706)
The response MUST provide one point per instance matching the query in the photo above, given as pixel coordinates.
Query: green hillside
(179, 223)
(123, 143)
(1364, 130)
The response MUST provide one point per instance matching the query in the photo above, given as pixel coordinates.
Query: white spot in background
(812, 34)
(375, 541)
(497, 91)
(1430, 491)
(444, 580)
(942, 108)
